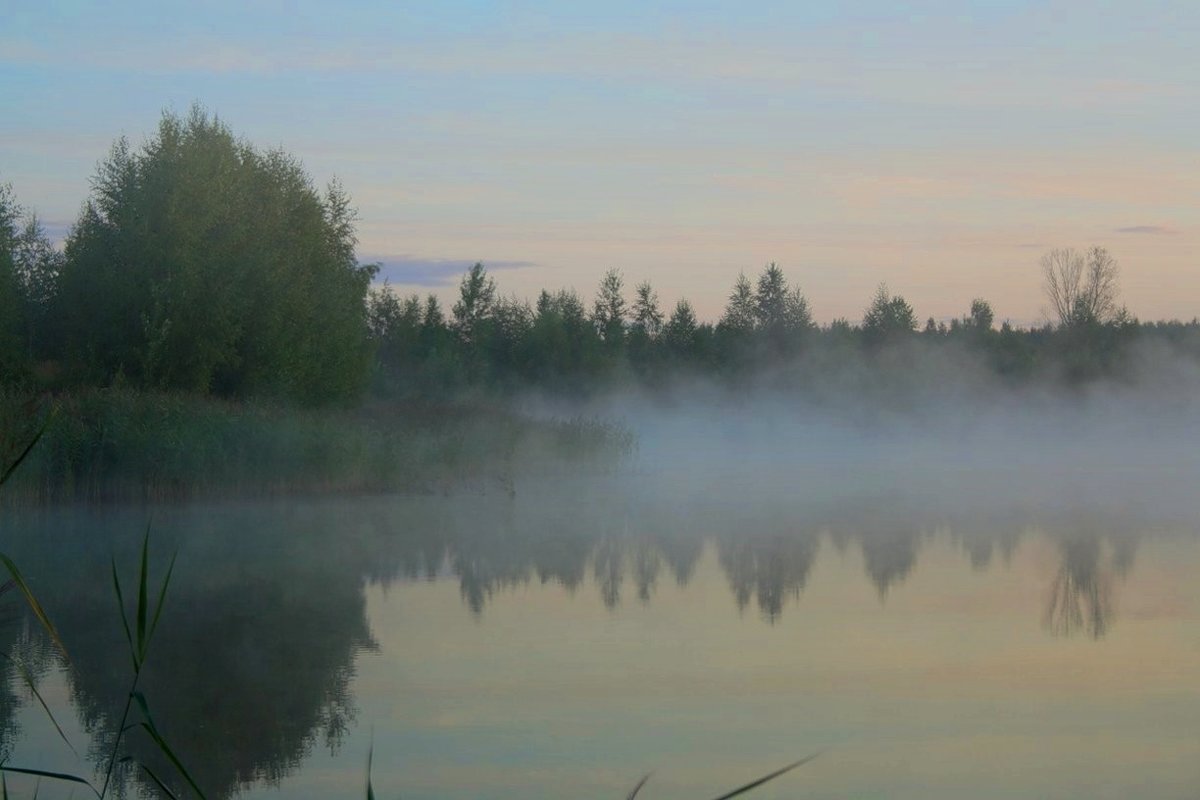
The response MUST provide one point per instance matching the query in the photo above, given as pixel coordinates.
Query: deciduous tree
(202, 263)
(1081, 287)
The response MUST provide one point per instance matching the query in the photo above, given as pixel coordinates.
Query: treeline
(766, 332)
(203, 265)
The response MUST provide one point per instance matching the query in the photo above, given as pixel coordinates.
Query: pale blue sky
(938, 146)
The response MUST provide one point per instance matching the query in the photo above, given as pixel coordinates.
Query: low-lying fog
(922, 429)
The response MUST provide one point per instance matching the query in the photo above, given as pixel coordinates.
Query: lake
(928, 638)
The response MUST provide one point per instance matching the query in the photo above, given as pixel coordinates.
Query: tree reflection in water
(22, 654)
(1080, 599)
(254, 663)
(771, 568)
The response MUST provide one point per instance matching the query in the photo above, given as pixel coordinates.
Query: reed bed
(117, 444)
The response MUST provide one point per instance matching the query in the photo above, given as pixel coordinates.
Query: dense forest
(201, 264)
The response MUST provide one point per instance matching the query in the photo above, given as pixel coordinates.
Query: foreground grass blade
(124, 620)
(28, 678)
(174, 759)
(11, 468)
(632, 795)
(162, 596)
(33, 603)
(162, 745)
(370, 757)
(161, 786)
(765, 778)
(58, 776)
(6, 587)
(142, 601)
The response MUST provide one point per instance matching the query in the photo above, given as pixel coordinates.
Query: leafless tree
(1081, 287)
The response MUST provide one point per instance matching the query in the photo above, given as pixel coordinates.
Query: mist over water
(956, 587)
(918, 428)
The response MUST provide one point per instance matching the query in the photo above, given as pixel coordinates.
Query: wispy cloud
(692, 60)
(1154, 230)
(403, 270)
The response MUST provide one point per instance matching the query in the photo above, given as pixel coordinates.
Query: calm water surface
(565, 641)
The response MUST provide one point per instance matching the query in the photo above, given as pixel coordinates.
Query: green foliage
(647, 317)
(13, 358)
(476, 298)
(644, 332)
(763, 323)
(122, 444)
(610, 311)
(679, 334)
(201, 263)
(888, 318)
(566, 351)
(782, 314)
(741, 313)
(981, 316)
(766, 330)
(37, 266)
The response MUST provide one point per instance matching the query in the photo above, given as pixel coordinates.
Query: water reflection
(252, 665)
(271, 590)
(772, 569)
(1082, 597)
(23, 657)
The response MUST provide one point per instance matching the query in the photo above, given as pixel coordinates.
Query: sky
(941, 148)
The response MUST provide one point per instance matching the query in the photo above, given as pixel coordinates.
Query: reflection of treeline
(626, 550)
(767, 557)
(24, 656)
(204, 265)
(280, 616)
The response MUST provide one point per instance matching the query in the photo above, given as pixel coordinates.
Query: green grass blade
(174, 759)
(162, 595)
(632, 795)
(162, 786)
(11, 468)
(124, 619)
(765, 778)
(33, 604)
(140, 699)
(58, 776)
(28, 678)
(143, 579)
(150, 728)
(370, 757)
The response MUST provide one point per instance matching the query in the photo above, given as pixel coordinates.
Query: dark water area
(565, 639)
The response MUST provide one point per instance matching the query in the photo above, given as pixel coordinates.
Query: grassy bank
(112, 444)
